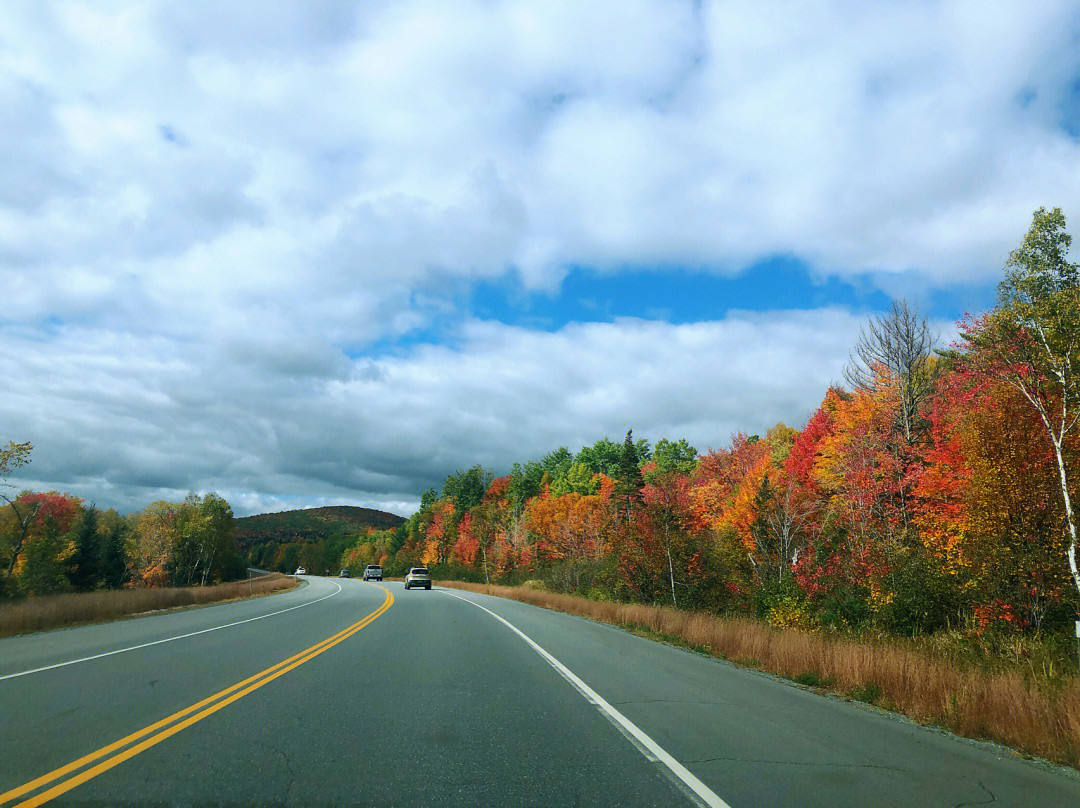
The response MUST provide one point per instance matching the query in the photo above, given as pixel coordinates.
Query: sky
(328, 253)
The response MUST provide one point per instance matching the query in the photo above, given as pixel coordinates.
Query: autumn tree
(154, 531)
(720, 475)
(440, 533)
(15, 456)
(41, 565)
(1031, 340)
(783, 512)
(189, 542)
(668, 515)
(491, 520)
(1014, 540)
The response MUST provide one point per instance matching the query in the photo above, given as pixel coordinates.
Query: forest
(53, 542)
(933, 491)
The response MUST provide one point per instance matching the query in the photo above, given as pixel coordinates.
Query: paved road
(394, 698)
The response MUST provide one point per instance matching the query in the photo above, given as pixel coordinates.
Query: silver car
(418, 576)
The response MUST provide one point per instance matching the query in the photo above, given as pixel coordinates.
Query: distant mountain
(311, 525)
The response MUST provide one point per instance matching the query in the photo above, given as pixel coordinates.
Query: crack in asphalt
(264, 742)
(993, 797)
(289, 769)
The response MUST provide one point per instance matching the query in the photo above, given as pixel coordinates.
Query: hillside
(311, 525)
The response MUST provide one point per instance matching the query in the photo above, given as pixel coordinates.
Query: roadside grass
(75, 608)
(1035, 715)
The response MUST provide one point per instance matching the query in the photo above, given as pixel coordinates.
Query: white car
(418, 576)
(300, 571)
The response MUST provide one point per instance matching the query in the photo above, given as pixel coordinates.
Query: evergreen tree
(761, 530)
(629, 482)
(84, 564)
(113, 561)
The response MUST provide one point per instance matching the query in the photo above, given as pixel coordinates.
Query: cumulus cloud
(405, 140)
(224, 229)
(124, 420)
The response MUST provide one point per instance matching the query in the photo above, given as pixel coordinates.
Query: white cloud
(408, 140)
(207, 210)
(125, 420)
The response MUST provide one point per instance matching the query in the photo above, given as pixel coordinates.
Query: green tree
(113, 565)
(677, 456)
(221, 560)
(1032, 341)
(579, 479)
(628, 482)
(428, 498)
(602, 457)
(526, 481)
(466, 488)
(84, 563)
(557, 464)
(45, 568)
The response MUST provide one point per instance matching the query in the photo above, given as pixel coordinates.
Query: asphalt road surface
(352, 693)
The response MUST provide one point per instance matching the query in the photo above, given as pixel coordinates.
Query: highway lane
(34, 651)
(435, 702)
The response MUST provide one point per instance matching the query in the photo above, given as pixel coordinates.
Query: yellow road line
(252, 683)
(78, 764)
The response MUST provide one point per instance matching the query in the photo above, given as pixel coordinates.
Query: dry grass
(56, 611)
(1038, 717)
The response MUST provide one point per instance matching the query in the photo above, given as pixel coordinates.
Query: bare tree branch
(895, 349)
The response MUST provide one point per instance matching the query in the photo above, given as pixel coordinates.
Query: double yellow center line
(126, 748)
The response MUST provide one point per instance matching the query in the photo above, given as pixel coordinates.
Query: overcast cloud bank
(233, 236)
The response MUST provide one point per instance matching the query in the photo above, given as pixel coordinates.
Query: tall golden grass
(1038, 717)
(55, 611)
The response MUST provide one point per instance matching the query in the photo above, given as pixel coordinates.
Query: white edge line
(167, 639)
(644, 742)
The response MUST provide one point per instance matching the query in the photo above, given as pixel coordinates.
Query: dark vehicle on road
(372, 572)
(418, 576)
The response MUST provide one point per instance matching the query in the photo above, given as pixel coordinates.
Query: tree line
(934, 490)
(53, 542)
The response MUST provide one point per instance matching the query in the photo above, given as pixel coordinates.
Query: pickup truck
(372, 572)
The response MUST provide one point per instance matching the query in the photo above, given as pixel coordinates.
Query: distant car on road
(300, 571)
(372, 572)
(343, 574)
(418, 576)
